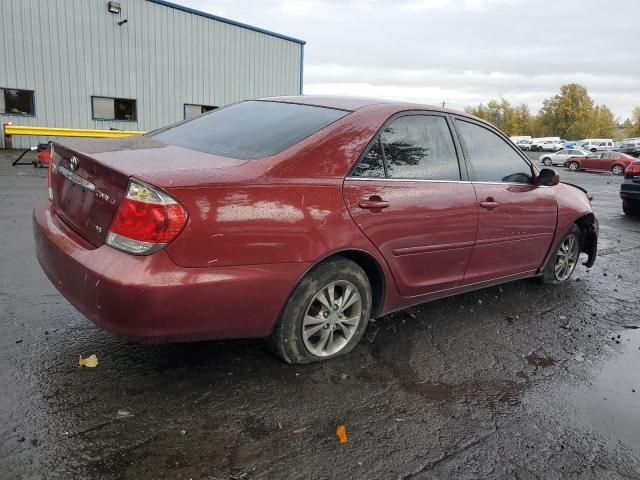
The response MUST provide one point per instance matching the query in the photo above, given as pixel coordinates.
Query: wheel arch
(371, 267)
(588, 226)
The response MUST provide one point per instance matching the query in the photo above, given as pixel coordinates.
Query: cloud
(460, 51)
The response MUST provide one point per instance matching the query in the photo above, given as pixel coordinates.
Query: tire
(631, 208)
(550, 274)
(547, 162)
(574, 166)
(593, 150)
(307, 310)
(617, 170)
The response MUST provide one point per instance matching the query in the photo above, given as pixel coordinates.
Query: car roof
(356, 103)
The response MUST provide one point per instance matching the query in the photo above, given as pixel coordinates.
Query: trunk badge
(74, 163)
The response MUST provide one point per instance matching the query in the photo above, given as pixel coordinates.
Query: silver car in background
(559, 158)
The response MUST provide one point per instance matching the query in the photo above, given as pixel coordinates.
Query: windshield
(249, 130)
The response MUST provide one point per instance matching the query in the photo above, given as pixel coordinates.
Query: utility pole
(443, 103)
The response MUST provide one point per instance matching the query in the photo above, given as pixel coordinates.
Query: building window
(17, 102)
(191, 110)
(107, 108)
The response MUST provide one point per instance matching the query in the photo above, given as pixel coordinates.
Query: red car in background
(299, 219)
(614, 162)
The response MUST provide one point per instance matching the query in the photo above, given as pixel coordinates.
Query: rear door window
(420, 147)
(372, 164)
(492, 158)
(249, 130)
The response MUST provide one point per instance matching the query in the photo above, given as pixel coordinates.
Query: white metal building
(132, 64)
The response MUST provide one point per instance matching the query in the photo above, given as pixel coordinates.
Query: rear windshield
(249, 130)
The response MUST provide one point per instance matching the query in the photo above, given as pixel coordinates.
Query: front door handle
(489, 204)
(373, 203)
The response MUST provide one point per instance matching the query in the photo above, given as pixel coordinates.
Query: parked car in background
(547, 144)
(629, 147)
(614, 162)
(569, 143)
(630, 190)
(299, 219)
(523, 144)
(596, 144)
(551, 146)
(561, 157)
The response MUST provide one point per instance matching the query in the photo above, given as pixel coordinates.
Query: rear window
(249, 130)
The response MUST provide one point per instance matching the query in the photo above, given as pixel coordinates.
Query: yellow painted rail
(66, 132)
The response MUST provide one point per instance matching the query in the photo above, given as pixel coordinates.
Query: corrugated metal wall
(69, 50)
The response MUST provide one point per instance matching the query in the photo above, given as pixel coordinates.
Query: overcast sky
(459, 51)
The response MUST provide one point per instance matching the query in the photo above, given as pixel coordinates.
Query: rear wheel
(617, 170)
(631, 208)
(546, 161)
(593, 150)
(574, 166)
(564, 260)
(326, 315)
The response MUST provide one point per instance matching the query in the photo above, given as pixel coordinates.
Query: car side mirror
(548, 178)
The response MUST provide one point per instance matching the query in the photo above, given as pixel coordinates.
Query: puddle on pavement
(610, 403)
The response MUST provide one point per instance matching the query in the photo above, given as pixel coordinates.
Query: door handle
(489, 204)
(373, 203)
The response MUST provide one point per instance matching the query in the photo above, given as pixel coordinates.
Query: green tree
(511, 120)
(602, 124)
(632, 128)
(567, 115)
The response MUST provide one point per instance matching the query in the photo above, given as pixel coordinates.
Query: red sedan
(299, 219)
(604, 161)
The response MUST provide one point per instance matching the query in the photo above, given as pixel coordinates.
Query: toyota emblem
(74, 163)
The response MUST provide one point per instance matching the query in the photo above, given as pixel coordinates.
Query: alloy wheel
(332, 318)
(567, 258)
(573, 166)
(617, 170)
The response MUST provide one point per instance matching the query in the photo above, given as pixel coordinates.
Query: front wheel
(617, 170)
(574, 166)
(546, 161)
(326, 315)
(564, 260)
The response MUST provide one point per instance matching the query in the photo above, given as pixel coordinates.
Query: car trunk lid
(90, 177)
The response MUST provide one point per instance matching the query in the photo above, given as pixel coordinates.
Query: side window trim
(466, 155)
(462, 166)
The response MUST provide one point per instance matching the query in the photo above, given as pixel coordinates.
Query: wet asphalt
(518, 381)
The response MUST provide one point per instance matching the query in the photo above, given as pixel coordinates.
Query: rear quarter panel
(285, 208)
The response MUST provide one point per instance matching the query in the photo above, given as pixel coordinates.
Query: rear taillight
(633, 169)
(146, 220)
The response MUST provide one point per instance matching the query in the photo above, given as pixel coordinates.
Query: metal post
(7, 138)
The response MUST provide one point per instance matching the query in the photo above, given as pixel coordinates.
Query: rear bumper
(150, 298)
(630, 193)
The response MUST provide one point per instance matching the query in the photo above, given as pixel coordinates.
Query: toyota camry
(299, 219)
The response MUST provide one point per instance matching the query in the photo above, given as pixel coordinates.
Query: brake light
(147, 219)
(633, 169)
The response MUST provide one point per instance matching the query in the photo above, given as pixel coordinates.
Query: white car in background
(596, 144)
(559, 158)
(547, 144)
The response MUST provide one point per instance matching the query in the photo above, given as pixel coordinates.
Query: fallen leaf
(300, 430)
(341, 432)
(91, 361)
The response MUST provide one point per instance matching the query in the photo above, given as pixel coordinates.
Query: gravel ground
(518, 381)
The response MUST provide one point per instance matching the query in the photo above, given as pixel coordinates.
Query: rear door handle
(373, 203)
(489, 204)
